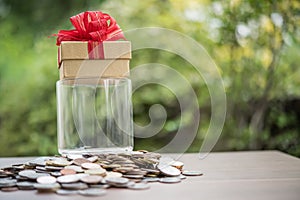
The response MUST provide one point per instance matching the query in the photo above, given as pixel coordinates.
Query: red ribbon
(94, 27)
(91, 26)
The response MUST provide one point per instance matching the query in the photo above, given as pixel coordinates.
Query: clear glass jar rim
(92, 80)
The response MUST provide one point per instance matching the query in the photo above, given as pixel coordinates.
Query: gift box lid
(74, 50)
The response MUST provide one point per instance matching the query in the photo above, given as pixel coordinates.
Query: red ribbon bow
(92, 26)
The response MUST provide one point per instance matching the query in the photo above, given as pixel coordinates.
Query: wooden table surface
(231, 175)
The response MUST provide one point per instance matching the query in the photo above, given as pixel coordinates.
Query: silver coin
(41, 161)
(151, 171)
(133, 176)
(75, 168)
(117, 180)
(92, 192)
(55, 174)
(168, 170)
(123, 169)
(40, 168)
(113, 174)
(99, 171)
(192, 173)
(53, 168)
(21, 178)
(136, 172)
(151, 179)
(59, 162)
(46, 180)
(81, 175)
(25, 185)
(101, 186)
(74, 156)
(39, 186)
(90, 166)
(18, 167)
(92, 179)
(30, 174)
(126, 185)
(170, 180)
(93, 158)
(123, 162)
(74, 186)
(66, 192)
(68, 178)
(7, 182)
(182, 176)
(111, 166)
(139, 186)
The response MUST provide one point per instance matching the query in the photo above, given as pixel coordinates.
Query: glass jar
(94, 115)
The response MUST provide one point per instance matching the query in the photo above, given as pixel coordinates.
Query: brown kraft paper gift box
(75, 62)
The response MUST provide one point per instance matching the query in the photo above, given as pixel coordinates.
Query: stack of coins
(91, 175)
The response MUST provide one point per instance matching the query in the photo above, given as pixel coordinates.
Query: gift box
(80, 59)
(93, 68)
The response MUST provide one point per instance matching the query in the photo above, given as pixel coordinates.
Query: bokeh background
(254, 43)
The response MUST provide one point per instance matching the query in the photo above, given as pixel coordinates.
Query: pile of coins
(91, 175)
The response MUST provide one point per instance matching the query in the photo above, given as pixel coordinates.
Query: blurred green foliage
(254, 43)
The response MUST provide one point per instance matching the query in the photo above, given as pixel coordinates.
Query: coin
(123, 169)
(177, 164)
(66, 192)
(113, 174)
(75, 168)
(92, 179)
(93, 158)
(92, 192)
(117, 180)
(7, 182)
(170, 180)
(81, 175)
(133, 176)
(151, 171)
(74, 186)
(79, 161)
(25, 185)
(67, 171)
(139, 186)
(53, 168)
(99, 171)
(46, 180)
(136, 172)
(132, 170)
(55, 174)
(9, 189)
(111, 166)
(168, 170)
(18, 166)
(41, 161)
(192, 173)
(102, 186)
(30, 174)
(40, 169)
(74, 156)
(68, 178)
(151, 179)
(58, 162)
(90, 166)
(46, 187)
(182, 176)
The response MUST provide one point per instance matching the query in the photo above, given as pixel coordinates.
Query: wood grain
(231, 175)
